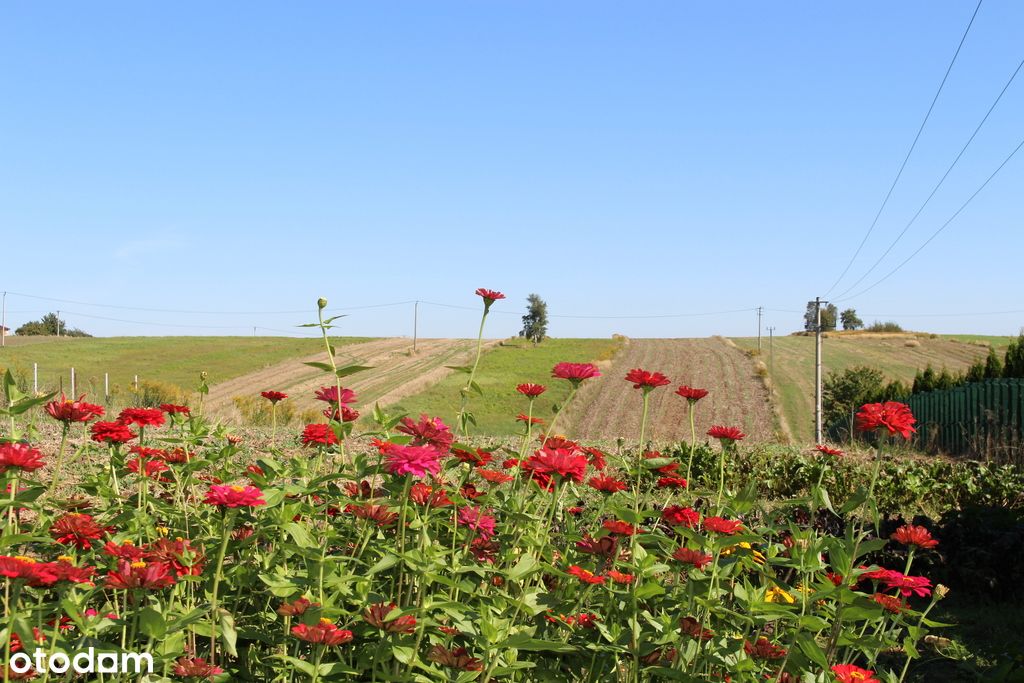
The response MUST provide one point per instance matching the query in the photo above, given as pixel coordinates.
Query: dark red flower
(274, 396)
(424, 494)
(621, 528)
(456, 658)
(140, 574)
(918, 536)
(180, 555)
(677, 515)
(428, 432)
(318, 434)
(380, 515)
(77, 529)
(893, 416)
(642, 379)
(234, 496)
(691, 627)
(826, 450)
(523, 417)
(606, 484)
(722, 526)
(585, 576)
(111, 432)
(531, 390)
(330, 395)
(27, 569)
(494, 476)
(725, 434)
(890, 603)
(575, 372)
(144, 417)
(672, 483)
(177, 456)
(172, 409)
(149, 468)
(692, 557)
(764, 649)
(379, 615)
(324, 632)
(64, 570)
(68, 411)
(690, 394)
(489, 295)
(195, 667)
(19, 456)
(479, 458)
(619, 577)
(126, 551)
(598, 458)
(606, 546)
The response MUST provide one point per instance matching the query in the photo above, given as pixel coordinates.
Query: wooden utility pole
(759, 309)
(3, 323)
(415, 324)
(771, 356)
(58, 328)
(817, 368)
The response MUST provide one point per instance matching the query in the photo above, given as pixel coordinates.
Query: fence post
(35, 379)
(136, 382)
(106, 388)
(72, 383)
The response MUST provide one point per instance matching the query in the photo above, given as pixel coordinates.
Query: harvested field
(603, 410)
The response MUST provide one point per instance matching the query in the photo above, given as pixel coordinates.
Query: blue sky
(617, 158)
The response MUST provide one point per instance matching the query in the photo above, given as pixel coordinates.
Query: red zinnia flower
(144, 417)
(149, 468)
(423, 494)
(908, 534)
(692, 557)
(139, 574)
(456, 658)
(318, 435)
(523, 417)
(330, 395)
(677, 515)
(606, 484)
(575, 372)
(851, 673)
(546, 463)
(112, 432)
(428, 432)
(64, 570)
(908, 585)
(531, 390)
(489, 295)
(234, 496)
(77, 529)
(195, 667)
(585, 576)
(672, 483)
(172, 409)
(890, 603)
(642, 379)
(27, 569)
(690, 394)
(346, 414)
(324, 632)
(725, 434)
(619, 577)
(891, 415)
(667, 468)
(19, 456)
(378, 616)
(722, 526)
(414, 460)
(179, 554)
(480, 458)
(606, 546)
(691, 627)
(495, 477)
(598, 458)
(825, 450)
(615, 526)
(127, 551)
(378, 514)
(69, 411)
(274, 396)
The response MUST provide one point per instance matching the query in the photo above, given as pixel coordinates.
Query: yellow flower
(758, 557)
(776, 594)
(162, 530)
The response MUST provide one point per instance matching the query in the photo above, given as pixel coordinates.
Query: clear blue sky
(617, 158)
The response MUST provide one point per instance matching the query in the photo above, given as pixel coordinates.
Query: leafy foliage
(50, 325)
(535, 322)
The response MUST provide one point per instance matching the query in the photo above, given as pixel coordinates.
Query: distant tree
(993, 366)
(889, 326)
(810, 317)
(976, 373)
(829, 317)
(50, 325)
(844, 392)
(925, 381)
(1013, 363)
(850, 320)
(535, 322)
(945, 380)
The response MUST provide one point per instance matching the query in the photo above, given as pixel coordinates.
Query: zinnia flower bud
(321, 303)
(941, 591)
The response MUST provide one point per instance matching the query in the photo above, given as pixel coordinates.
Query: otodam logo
(85, 662)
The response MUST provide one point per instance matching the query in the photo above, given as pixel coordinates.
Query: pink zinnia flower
(474, 518)
(414, 460)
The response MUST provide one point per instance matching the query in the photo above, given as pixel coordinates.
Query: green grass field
(898, 356)
(174, 360)
(501, 369)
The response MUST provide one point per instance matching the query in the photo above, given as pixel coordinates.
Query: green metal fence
(980, 419)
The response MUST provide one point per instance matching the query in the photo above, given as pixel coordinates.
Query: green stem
(463, 417)
(693, 442)
(225, 534)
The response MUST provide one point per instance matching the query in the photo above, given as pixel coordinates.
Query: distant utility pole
(415, 323)
(817, 368)
(254, 330)
(58, 327)
(759, 309)
(771, 356)
(3, 323)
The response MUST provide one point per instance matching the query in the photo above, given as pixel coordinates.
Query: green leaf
(460, 368)
(27, 403)
(228, 634)
(300, 535)
(152, 623)
(526, 565)
(320, 366)
(351, 370)
(383, 563)
(812, 650)
(855, 501)
(523, 641)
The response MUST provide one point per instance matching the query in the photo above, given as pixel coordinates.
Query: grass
(503, 367)
(890, 353)
(174, 360)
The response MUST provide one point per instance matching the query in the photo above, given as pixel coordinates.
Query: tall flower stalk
(465, 417)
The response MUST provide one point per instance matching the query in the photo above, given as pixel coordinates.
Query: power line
(601, 317)
(910, 151)
(937, 185)
(940, 229)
